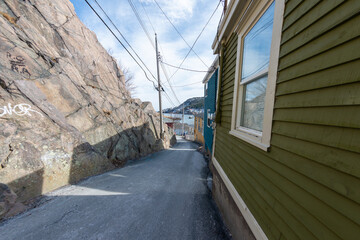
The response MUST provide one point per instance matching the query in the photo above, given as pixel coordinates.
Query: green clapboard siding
(307, 186)
(291, 5)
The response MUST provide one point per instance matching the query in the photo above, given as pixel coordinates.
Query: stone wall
(64, 111)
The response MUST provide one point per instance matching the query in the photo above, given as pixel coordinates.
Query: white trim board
(212, 69)
(249, 218)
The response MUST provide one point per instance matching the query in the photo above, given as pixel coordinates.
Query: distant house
(210, 88)
(170, 121)
(199, 128)
(286, 161)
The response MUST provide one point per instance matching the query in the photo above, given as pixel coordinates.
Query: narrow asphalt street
(163, 196)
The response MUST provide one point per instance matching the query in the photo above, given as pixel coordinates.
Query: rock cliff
(65, 113)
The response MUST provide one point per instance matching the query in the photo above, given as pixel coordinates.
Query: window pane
(257, 45)
(254, 101)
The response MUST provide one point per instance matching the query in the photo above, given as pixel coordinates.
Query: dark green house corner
(286, 159)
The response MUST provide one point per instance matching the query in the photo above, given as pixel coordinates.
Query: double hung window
(254, 71)
(257, 56)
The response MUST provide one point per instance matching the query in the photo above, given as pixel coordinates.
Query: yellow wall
(198, 130)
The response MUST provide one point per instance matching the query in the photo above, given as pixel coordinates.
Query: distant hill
(191, 105)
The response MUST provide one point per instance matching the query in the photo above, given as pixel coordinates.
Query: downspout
(218, 110)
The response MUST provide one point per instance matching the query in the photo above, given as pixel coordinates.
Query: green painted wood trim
(293, 199)
(309, 19)
(331, 136)
(341, 54)
(344, 116)
(317, 24)
(328, 40)
(260, 199)
(306, 186)
(291, 6)
(348, 72)
(278, 175)
(343, 95)
(301, 11)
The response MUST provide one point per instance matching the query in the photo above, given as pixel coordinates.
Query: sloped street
(163, 196)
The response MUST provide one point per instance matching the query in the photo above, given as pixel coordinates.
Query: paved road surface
(163, 196)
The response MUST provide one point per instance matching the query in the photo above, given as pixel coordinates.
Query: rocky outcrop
(9, 205)
(65, 113)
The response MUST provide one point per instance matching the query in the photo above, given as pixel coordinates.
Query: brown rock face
(8, 202)
(64, 111)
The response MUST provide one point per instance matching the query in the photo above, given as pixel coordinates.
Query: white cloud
(189, 16)
(176, 10)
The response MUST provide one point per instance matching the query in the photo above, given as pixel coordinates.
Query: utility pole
(183, 128)
(159, 89)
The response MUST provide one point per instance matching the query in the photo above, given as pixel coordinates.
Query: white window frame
(206, 89)
(254, 137)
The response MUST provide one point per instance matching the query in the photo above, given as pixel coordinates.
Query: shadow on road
(87, 160)
(161, 196)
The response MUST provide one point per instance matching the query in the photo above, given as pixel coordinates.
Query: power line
(123, 36)
(140, 21)
(168, 80)
(185, 69)
(138, 17)
(146, 32)
(123, 45)
(152, 26)
(169, 99)
(188, 84)
(161, 89)
(180, 33)
(195, 40)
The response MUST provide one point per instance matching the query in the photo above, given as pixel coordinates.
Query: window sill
(250, 139)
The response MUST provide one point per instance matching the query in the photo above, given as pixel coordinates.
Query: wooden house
(210, 93)
(199, 128)
(286, 161)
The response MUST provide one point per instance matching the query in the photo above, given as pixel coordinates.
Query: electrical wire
(138, 17)
(123, 37)
(141, 22)
(196, 40)
(162, 62)
(146, 32)
(153, 28)
(123, 45)
(180, 33)
(188, 84)
(147, 15)
(185, 69)
(169, 99)
(167, 78)
(166, 95)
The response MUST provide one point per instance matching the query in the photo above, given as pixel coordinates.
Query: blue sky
(189, 17)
